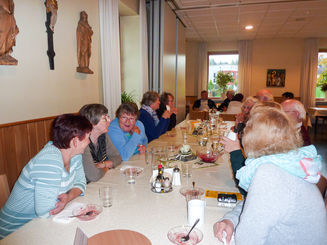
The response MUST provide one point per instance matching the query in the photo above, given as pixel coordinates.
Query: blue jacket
(152, 131)
(125, 144)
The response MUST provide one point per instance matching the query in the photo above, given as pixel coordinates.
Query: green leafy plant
(128, 97)
(223, 78)
(322, 81)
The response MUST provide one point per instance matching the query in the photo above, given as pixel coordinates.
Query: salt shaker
(176, 177)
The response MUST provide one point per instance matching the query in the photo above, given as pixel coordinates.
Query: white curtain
(143, 48)
(309, 72)
(244, 67)
(202, 68)
(110, 54)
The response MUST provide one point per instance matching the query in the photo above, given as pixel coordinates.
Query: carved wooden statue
(83, 34)
(51, 9)
(8, 32)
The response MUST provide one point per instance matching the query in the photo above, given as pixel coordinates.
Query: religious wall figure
(8, 32)
(52, 7)
(51, 10)
(83, 35)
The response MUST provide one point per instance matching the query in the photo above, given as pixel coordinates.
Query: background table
(135, 206)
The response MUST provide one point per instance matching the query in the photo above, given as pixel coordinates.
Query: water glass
(158, 156)
(105, 194)
(187, 169)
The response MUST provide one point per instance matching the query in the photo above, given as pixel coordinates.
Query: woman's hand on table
(230, 145)
(221, 226)
(141, 149)
(65, 198)
(104, 164)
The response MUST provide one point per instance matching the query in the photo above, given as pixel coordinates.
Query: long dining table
(135, 207)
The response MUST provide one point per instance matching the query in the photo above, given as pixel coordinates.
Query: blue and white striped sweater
(37, 188)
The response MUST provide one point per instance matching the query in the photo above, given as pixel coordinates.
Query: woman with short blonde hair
(283, 200)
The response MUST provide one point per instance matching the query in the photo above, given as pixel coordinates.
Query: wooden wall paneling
(41, 135)
(32, 139)
(21, 142)
(48, 126)
(2, 154)
(10, 155)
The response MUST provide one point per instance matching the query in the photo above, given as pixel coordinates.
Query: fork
(187, 237)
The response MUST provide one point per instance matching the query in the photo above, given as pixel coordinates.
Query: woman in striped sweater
(52, 178)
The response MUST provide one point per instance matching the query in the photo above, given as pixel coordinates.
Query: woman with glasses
(154, 126)
(100, 155)
(126, 132)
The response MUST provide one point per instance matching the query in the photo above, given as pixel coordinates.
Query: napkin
(63, 216)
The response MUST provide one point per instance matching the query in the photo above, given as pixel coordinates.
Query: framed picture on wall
(276, 78)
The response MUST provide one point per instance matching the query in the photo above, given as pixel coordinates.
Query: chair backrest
(203, 115)
(4, 189)
(228, 117)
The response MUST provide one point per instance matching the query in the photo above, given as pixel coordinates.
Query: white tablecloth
(135, 206)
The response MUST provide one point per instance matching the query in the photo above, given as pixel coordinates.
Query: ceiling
(224, 20)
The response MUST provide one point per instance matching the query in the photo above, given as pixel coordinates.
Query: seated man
(295, 110)
(224, 105)
(235, 106)
(287, 96)
(204, 104)
(265, 95)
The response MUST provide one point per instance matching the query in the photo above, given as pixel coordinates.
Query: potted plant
(322, 82)
(127, 97)
(223, 78)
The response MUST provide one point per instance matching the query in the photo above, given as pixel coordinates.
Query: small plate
(175, 234)
(82, 210)
(189, 190)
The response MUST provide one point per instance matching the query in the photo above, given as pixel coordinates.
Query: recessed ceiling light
(249, 27)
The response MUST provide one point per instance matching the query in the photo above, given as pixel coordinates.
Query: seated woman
(235, 105)
(100, 154)
(154, 127)
(52, 178)
(167, 103)
(283, 204)
(126, 132)
(242, 117)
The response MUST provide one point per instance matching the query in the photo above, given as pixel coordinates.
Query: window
(321, 75)
(223, 66)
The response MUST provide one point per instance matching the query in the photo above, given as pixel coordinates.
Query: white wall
(30, 89)
(130, 55)
(267, 53)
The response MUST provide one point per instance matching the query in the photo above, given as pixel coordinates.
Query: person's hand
(224, 225)
(230, 145)
(60, 205)
(166, 114)
(141, 149)
(173, 110)
(136, 129)
(104, 164)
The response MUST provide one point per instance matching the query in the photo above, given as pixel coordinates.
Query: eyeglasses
(131, 119)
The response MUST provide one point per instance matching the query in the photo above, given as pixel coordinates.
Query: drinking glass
(105, 194)
(158, 156)
(187, 169)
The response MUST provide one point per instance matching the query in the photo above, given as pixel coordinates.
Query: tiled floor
(320, 141)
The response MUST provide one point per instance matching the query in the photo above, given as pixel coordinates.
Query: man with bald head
(295, 110)
(265, 95)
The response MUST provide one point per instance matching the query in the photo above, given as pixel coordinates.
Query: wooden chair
(228, 117)
(203, 115)
(4, 189)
